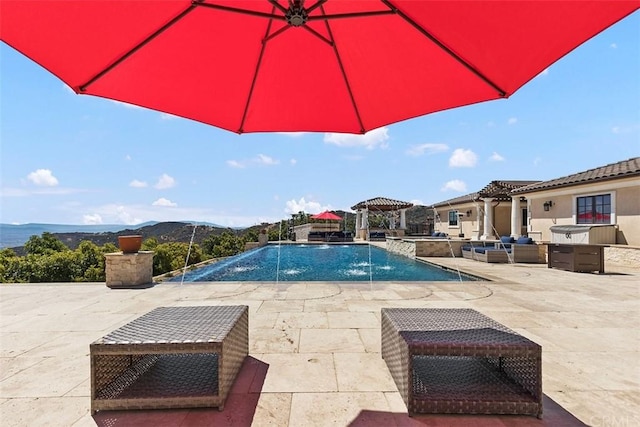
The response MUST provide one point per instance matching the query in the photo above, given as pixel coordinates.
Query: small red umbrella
(326, 215)
(301, 65)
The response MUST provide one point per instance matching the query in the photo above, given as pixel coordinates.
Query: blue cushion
(507, 239)
(524, 240)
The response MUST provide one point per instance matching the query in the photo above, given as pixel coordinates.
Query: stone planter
(130, 244)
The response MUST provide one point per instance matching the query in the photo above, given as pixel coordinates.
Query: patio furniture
(171, 357)
(377, 236)
(508, 249)
(458, 361)
(576, 257)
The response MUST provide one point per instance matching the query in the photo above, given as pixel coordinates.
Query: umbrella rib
(243, 11)
(317, 34)
(441, 45)
(137, 47)
(344, 75)
(278, 5)
(255, 74)
(352, 15)
(315, 6)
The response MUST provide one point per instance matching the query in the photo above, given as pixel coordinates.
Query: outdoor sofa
(330, 236)
(520, 250)
(438, 235)
(377, 235)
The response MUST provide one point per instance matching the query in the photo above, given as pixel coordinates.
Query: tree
(223, 245)
(45, 245)
(171, 256)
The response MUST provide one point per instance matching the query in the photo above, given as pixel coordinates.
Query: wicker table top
(446, 328)
(201, 324)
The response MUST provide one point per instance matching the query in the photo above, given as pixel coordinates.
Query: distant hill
(418, 218)
(12, 235)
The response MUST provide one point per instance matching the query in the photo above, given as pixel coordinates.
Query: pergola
(381, 204)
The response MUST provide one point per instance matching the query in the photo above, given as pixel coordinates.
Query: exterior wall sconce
(469, 212)
(547, 205)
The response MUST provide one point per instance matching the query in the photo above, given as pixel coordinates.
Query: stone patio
(315, 347)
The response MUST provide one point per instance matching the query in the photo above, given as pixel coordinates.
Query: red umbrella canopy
(301, 65)
(326, 215)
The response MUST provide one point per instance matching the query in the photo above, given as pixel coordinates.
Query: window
(453, 218)
(594, 209)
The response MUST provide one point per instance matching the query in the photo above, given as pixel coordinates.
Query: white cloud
(266, 160)
(625, 129)
(512, 121)
(127, 157)
(235, 164)
(92, 219)
(43, 178)
(260, 159)
(164, 182)
(495, 157)
(164, 202)
(292, 134)
(126, 104)
(417, 202)
(295, 206)
(462, 158)
(419, 150)
(124, 217)
(137, 184)
(373, 139)
(613, 46)
(454, 185)
(293, 161)
(40, 191)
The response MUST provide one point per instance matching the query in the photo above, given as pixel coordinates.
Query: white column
(403, 219)
(477, 233)
(516, 217)
(392, 220)
(365, 219)
(488, 220)
(358, 219)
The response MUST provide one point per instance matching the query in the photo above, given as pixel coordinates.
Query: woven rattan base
(194, 365)
(457, 361)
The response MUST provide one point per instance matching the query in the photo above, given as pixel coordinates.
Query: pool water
(331, 263)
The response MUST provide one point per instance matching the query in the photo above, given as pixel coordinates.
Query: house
(485, 215)
(600, 206)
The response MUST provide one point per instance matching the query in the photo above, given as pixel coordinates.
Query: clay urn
(130, 244)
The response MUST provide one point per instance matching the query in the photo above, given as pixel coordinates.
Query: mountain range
(15, 236)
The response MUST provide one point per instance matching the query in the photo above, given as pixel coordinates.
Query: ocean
(12, 235)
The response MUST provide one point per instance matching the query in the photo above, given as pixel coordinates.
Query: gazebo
(390, 207)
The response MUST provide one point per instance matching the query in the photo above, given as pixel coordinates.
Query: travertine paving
(315, 347)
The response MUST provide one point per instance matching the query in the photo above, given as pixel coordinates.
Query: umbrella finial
(296, 14)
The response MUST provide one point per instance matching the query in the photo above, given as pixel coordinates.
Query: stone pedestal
(263, 239)
(129, 270)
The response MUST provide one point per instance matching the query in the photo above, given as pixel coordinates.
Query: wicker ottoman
(172, 357)
(458, 361)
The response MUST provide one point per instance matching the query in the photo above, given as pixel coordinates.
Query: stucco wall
(625, 206)
(302, 231)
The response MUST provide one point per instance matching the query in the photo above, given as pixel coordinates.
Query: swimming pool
(331, 263)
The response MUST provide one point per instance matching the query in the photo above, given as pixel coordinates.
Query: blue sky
(73, 159)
